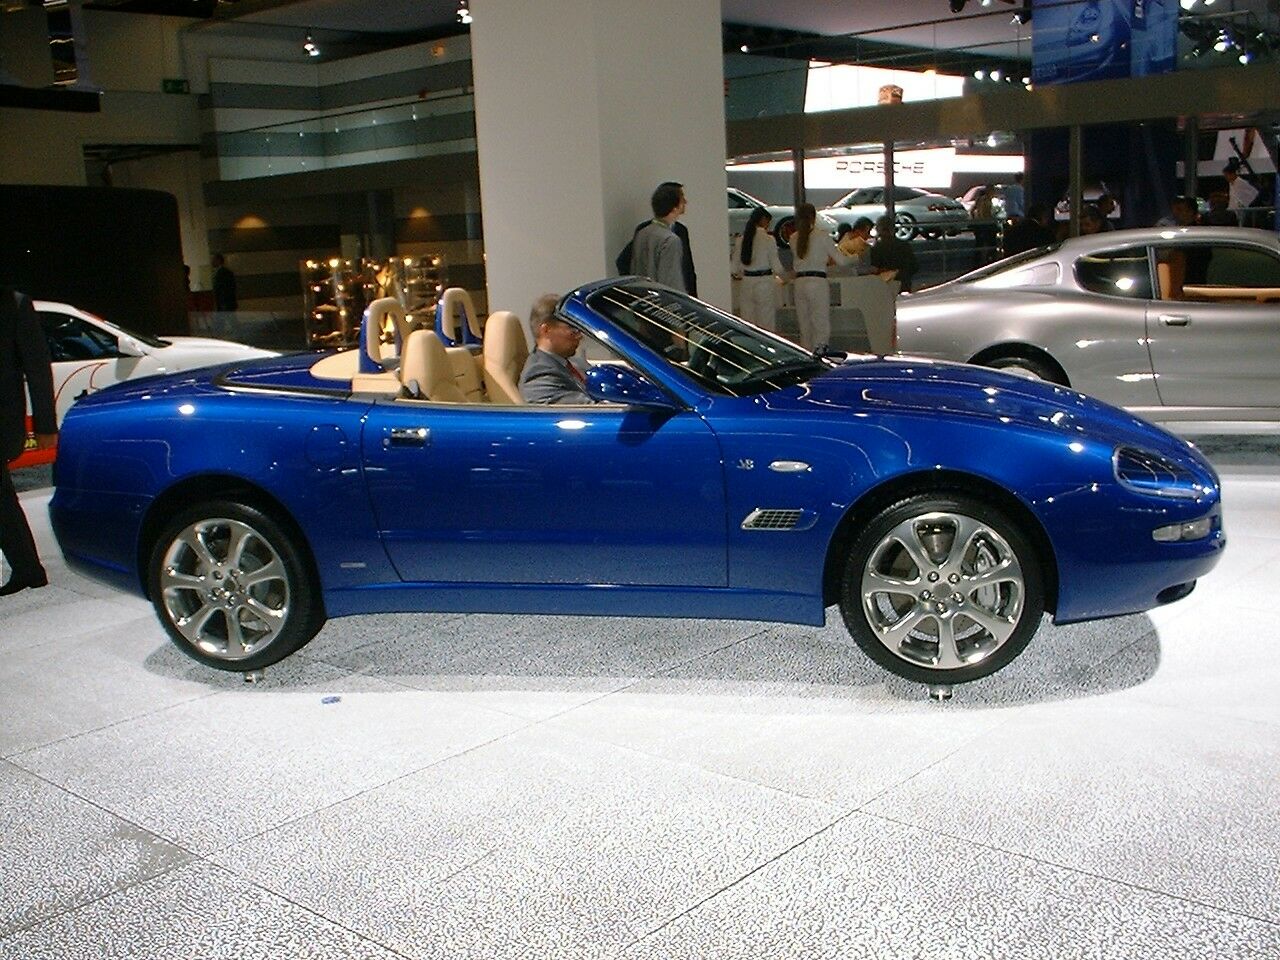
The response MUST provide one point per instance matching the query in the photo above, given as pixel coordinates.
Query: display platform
(493, 786)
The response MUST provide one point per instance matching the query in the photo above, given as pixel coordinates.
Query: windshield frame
(1008, 263)
(737, 343)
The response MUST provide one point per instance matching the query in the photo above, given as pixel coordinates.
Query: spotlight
(1244, 57)
(310, 46)
(995, 74)
(957, 5)
(744, 48)
(1023, 16)
(463, 14)
(979, 74)
(1223, 43)
(1186, 4)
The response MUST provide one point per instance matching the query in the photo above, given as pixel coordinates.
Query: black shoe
(17, 583)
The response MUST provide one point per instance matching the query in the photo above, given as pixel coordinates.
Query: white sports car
(90, 353)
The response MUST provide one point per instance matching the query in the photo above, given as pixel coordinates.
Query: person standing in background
(656, 251)
(755, 261)
(812, 250)
(1015, 199)
(224, 285)
(24, 366)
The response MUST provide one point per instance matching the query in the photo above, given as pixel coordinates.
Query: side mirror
(616, 384)
(129, 347)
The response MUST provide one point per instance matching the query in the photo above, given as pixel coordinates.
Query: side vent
(766, 519)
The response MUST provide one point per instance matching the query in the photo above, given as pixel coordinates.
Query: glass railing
(376, 134)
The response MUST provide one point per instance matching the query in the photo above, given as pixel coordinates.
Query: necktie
(576, 373)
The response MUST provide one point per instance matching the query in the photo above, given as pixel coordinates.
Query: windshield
(140, 337)
(717, 349)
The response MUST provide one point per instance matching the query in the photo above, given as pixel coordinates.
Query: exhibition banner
(911, 168)
(1103, 39)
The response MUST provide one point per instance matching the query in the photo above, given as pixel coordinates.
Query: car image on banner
(713, 469)
(90, 353)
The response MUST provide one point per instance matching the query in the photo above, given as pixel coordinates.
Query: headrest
(374, 355)
(504, 337)
(450, 330)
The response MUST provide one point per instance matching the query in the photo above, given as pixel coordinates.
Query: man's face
(682, 205)
(559, 338)
(1184, 213)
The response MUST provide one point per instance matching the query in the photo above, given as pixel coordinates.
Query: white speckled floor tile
(210, 771)
(537, 666)
(1174, 801)
(1205, 668)
(198, 911)
(71, 685)
(873, 889)
(541, 845)
(59, 852)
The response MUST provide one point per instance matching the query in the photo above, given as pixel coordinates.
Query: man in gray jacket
(549, 375)
(656, 251)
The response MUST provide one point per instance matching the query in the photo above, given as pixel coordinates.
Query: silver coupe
(1176, 324)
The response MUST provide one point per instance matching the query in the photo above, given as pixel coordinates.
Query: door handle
(407, 437)
(1175, 319)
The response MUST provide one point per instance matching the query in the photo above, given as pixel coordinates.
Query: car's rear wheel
(942, 589)
(782, 231)
(1031, 367)
(232, 587)
(904, 226)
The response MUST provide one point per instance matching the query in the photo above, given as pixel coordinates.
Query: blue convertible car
(722, 472)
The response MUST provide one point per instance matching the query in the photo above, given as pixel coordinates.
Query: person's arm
(736, 266)
(834, 253)
(33, 357)
(775, 261)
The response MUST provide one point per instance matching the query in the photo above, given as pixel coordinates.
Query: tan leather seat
(379, 311)
(425, 369)
(466, 364)
(452, 301)
(505, 351)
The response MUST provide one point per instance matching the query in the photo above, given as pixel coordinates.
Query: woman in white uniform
(812, 250)
(755, 261)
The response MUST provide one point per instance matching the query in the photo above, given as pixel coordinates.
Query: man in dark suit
(549, 375)
(24, 363)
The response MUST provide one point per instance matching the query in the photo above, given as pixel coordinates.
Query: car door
(597, 494)
(1214, 332)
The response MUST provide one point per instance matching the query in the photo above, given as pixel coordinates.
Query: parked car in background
(742, 203)
(90, 353)
(722, 472)
(1176, 324)
(916, 212)
(1092, 193)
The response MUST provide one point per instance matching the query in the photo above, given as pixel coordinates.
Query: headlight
(1191, 530)
(1145, 472)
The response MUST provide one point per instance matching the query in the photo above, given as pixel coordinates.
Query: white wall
(582, 108)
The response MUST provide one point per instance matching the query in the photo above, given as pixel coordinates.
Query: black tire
(1028, 367)
(894, 627)
(232, 587)
(904, 226)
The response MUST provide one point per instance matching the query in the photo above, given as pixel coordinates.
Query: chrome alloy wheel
(943, 591)
(225, 588)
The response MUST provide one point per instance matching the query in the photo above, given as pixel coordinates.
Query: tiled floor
(440, 786)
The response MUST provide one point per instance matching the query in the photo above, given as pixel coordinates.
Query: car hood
(938, 389)
(221, 348)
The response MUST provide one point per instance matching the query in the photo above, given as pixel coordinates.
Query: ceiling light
(979, 74)
(310, 46)
(1244, 57)
(1186, 4)
(995, 74)
(744, 48)
(463, 14)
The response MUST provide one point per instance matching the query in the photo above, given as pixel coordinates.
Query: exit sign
(174, 85)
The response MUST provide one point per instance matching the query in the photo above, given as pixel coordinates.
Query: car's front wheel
(942, 589)
(904, 226)
(232, 587)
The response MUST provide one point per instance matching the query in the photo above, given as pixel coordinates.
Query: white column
(582, 108)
